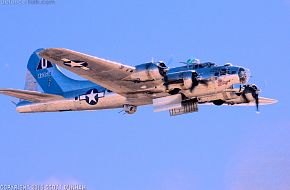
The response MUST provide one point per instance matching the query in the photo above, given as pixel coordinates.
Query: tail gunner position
(113, 85)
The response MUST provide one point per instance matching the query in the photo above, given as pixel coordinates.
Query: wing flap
(167, 103)
(32, 96)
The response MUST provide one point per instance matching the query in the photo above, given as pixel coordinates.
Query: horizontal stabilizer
(32, 96)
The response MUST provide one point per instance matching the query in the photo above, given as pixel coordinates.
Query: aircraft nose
(244, 75)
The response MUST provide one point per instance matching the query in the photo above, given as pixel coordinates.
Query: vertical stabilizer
(49, 77)
(30, 82)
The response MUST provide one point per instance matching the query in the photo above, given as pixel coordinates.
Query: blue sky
(228, 148)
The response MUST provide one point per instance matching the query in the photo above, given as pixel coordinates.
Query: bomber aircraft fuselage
(111, 85)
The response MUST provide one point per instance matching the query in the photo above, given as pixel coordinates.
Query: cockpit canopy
(196, 64)
(205, 65)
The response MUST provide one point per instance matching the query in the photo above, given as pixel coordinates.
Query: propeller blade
(166, 83)
(195, 82)
(253, 89)
(163, 69)
(256, 97)
(245, 97)
(255, 94)
(257, 104)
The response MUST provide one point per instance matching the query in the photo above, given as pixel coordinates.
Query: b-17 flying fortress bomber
(112, 85)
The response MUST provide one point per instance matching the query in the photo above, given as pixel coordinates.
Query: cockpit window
(203, 65)
(223, 71)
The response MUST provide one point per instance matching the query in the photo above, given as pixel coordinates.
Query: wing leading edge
(262, 101)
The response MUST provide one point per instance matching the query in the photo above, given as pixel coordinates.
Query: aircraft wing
(262, 101)
(103, 72)
(31, 96)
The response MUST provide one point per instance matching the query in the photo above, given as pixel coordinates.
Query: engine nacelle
(130, 109)
(147, 72)
(185, 79)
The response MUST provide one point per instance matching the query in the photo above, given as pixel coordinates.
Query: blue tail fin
(50, 78)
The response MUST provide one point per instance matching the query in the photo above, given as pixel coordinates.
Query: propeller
(163, 69)
(254, 91)
(196, 81)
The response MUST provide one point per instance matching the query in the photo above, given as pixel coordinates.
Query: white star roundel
(75, 63)
(92, 97)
